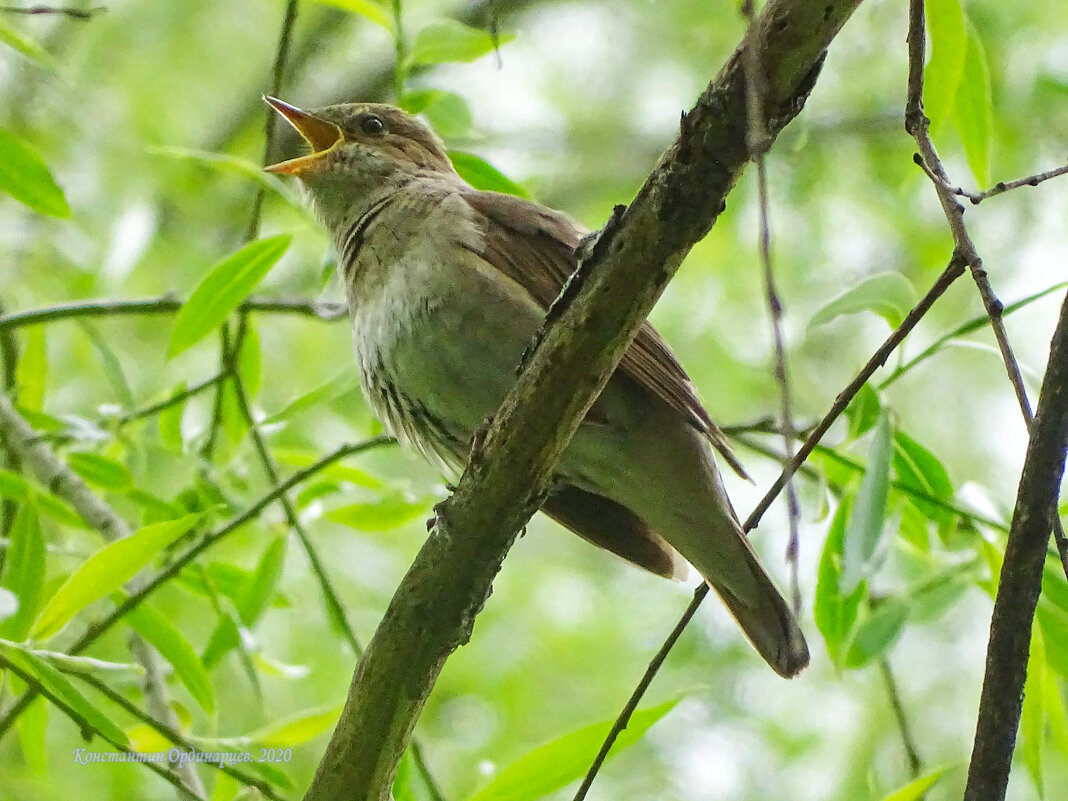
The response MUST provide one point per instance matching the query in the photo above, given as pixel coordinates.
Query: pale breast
(437, 332)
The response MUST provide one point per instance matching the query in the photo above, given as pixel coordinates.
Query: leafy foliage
(130, 161)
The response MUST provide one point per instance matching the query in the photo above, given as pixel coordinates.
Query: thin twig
(80, 14)
(918, 125)
(173, 400)
(908, 742)
(758, 145)
(165, 304)
(207, 449)
(965, 328)
(903, 487)
(953, 271)
(399, 67)
(281, 59)
(96, 630)
(1005, 186)
(9, 359)
(335, 611)
(36, 688)
(639, 691)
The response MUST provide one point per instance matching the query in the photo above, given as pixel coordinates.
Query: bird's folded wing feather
(535, 247)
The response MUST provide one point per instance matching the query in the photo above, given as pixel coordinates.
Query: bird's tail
(766, 618)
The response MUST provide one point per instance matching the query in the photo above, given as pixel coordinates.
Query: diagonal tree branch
(619, 279)
(1021, 580)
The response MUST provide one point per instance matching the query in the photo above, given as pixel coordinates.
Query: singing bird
(446, 286)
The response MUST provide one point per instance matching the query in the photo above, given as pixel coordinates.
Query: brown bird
(447, 285)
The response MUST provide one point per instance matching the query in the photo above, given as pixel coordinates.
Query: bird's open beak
(318, 133)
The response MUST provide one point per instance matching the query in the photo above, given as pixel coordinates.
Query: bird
(447, 285)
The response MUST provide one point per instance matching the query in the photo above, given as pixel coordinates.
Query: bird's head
(359, 151)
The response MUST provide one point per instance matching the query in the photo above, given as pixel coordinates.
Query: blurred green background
(126, 107)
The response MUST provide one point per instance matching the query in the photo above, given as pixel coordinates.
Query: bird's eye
(372, 125)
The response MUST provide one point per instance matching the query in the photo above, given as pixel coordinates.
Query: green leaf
(234, 422)
(224, 638)
(1054, 625)
(391, 511)
(553, 765)
(14, 486)
(57, 685)
(1033, 714)
(869, 510)
(32, 723)
(974, 110)
(29, 48)
(297, 728)
(448, 114)
(337, 471)
(26, 178)
(314, 491)
(917, 788)
(917, 467)
(249, 362)
(31, 374)
(9, 604)
(24, 571)
(863, 411)
(977, 323)
(1057, 718)
(232, 165)
(259, 590)
(344, 382)
(876, 633)
(403, 789)
(88, 665)
(942, 76)
(111, 363)
(100, 470)
(889, 294)
(107, 570)
(449, 40)
(364, 8)
(483, 175)
(835, 613)
(250, 599)
(172, 646)
(223, 289)
(170, 422)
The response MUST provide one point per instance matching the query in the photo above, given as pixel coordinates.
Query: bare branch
(80, 14)
(1021, 580)
(908, 741)
(165, 304)
(1005, 186)
(758, 146)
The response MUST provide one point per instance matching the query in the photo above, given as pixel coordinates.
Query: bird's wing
(615, 528)
(535, 247)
